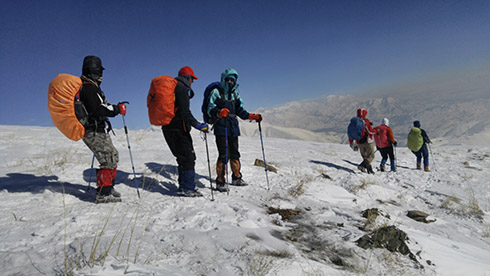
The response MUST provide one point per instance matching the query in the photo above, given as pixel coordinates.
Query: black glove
(395, 143)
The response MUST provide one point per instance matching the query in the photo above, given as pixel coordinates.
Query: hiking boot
(426, 168)
(361, 168)
(238, 182)
(382, 168)
(418, 166)
(114, 192)
(106, 198)
(370, 170)
(189, 193)
(221, 187)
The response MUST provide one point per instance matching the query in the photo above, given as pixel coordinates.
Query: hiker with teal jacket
(225, 105)
(418, 138)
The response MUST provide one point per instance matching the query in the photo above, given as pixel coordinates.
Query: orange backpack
(61, 105)
(161, 100)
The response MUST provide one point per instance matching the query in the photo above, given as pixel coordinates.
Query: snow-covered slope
(49, 225)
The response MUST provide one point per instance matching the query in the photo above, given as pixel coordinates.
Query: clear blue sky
(283, 50)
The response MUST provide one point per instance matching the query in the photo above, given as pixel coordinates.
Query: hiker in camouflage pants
(98, 127)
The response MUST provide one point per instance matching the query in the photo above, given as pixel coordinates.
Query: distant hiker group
(79, 109)
(361, 135)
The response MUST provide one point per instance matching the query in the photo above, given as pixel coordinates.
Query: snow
(50, 225)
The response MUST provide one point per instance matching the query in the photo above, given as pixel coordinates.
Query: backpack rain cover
(161, 100)
(355, 128)
(381, 137)
(415, 139)
(61, 105)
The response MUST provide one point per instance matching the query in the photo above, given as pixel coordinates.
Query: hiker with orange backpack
(384, 143)
(225, 105)
(98, 127)
(360, 132)
(177, 133)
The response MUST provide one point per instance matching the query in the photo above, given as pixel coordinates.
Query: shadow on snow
(331, 165)
(21, 182)
(169, 172)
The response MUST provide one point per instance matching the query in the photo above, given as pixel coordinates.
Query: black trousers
(180, 144)
(233, 153)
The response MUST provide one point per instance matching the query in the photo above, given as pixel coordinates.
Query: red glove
(224, 112)
(122, 109)
(256, 117)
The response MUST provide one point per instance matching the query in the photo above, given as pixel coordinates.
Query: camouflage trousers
(101, 145)
(367, 152)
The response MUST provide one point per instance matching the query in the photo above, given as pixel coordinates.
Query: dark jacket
(425, 136)
(183, 120)
(232, 101)
(98, 108)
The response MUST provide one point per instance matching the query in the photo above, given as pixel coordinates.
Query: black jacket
(98, 108)
(183, 120)
(425, 136)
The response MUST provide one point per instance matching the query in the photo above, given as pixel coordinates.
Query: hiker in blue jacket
(225, 105)
(423, 151)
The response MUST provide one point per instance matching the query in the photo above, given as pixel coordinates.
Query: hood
(416, 124)
(385, 122)
(361, 112)
(185, 81)
(224, 75)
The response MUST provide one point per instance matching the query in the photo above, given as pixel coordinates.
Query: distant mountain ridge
(452, 110)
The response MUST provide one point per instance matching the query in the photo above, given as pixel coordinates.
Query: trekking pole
(131, 156)
(394, 156)
(226, 158)
(91, 169)
(263, 155)
(431, 156)
(209, 165)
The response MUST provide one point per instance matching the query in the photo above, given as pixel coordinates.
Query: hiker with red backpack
(177, 133)
(360, 132)
(225, 104)
(384, 143)
(98, 127)
(417, 143)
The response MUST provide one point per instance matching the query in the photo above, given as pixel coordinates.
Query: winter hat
(385, 122)
(416, 124)
(187, 71)
(361, 112)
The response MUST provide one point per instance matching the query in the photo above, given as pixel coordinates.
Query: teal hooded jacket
(228, 98)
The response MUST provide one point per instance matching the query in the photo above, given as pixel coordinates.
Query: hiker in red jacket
(384, 142)
(365, 143)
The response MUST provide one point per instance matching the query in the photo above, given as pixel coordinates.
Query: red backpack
(381, 136)
(161, 100)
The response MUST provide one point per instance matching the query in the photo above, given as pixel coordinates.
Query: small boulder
(260, 163)
(419, 216)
